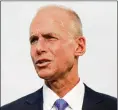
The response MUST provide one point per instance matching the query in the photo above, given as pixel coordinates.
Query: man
(57, 41)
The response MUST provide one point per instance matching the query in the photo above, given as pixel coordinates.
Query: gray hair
(75, 25)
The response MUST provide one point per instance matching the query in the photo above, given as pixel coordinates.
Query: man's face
(52, 46)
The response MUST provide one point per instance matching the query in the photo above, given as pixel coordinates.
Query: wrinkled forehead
(50, 20)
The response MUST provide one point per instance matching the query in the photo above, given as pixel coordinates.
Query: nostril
(40, 49)
(39, 52)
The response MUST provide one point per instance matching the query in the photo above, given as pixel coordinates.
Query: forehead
(50, 20)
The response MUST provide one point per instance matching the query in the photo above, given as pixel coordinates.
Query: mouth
(42, 62)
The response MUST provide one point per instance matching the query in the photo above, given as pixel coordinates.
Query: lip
(42, 62)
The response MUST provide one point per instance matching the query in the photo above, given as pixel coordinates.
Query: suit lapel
(91, 99)
(35, 101)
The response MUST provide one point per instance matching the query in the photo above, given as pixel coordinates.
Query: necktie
(61, 104)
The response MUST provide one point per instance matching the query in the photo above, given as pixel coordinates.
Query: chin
(45, 75)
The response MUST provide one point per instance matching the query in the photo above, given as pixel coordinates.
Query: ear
(81, 46)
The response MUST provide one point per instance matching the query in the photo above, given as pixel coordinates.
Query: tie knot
(61, 104)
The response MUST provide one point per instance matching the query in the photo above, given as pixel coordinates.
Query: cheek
(68, 49)
(63, 52)
(32, 52)
(58, 50)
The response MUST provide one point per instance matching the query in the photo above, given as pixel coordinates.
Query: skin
(52, 39)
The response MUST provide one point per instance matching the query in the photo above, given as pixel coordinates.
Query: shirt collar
(74, 97)
(49, 97)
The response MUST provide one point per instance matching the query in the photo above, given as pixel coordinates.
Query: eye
(33, 39)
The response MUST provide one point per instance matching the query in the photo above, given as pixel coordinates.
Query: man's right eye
(33, 39)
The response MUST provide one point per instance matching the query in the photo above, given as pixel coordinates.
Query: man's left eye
(51, 38)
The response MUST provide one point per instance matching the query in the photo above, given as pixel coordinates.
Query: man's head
(56, 42)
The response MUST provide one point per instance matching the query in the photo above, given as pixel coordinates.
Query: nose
(41, 46)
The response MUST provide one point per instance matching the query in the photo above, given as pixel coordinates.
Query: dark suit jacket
(92, 101)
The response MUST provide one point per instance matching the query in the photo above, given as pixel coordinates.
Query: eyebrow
(44, 35)
(51, 34)
(48, 34)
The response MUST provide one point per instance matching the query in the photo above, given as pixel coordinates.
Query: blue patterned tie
(61, 104)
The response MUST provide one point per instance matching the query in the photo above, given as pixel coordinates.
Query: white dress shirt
(74, 98)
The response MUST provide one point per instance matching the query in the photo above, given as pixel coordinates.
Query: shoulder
(100, 100)
(108, 102)
(23, 101)
(96, 94)
(108, 99)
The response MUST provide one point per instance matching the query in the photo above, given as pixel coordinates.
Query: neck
(62, 86)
